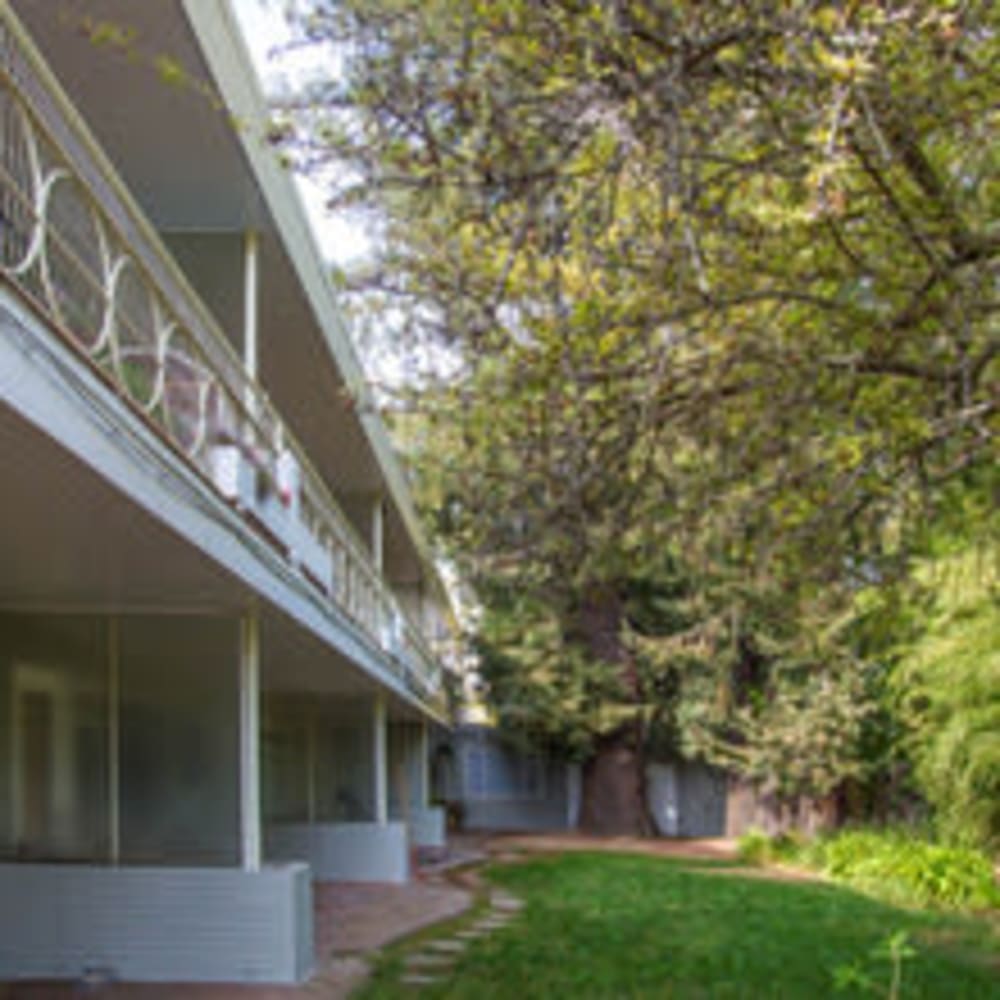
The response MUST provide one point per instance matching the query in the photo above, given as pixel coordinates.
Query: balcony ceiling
(184, 164)
(174, 148)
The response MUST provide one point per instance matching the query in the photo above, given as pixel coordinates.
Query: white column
(381, 764)
(114, 743)
(250, 283)
(249, 698)
(378, 535)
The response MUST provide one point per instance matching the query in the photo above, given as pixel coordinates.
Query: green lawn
(598, 925)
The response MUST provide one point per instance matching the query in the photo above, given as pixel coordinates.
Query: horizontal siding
(155, 924)
(427, 827)
(343, 852)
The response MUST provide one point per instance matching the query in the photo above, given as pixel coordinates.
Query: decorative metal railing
(75, 245)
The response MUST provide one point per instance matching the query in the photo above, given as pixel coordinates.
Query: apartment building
(221, 632)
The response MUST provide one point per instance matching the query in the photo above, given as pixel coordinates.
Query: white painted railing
(74, 244)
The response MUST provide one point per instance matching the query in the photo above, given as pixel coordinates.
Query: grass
(599, 925)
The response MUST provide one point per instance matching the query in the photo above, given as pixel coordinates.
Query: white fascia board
(225, 53)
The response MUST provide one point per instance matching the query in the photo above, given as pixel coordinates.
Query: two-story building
(220, 627)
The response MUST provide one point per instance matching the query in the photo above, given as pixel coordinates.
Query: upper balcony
(81, 250)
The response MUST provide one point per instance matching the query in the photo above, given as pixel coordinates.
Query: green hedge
(895, 865)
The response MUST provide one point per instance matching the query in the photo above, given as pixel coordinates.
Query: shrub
(757, 848)
(903, 868)
(754, 847)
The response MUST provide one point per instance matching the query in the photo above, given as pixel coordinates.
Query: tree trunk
(614, 778)
(614, 786)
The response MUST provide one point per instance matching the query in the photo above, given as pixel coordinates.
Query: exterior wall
(155, 924)
(687, 799)
(549, 813)
(428, 827)
(500, 787)
(343, 852)
(747, 808)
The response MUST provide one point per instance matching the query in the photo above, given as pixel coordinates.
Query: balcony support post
(378, 534)
(251, 246)
(381, 764)
(249, 726)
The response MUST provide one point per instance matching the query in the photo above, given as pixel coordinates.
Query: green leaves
(716, 285)
(947, 683)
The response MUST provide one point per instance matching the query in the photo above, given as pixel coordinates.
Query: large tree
(717, 285)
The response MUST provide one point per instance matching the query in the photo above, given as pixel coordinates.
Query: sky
(340, 239)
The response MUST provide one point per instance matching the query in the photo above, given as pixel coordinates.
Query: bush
(757, 848)
(754, 847)
(903, 868)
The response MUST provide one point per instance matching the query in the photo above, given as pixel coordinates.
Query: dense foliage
(893, 864)
(947, 688)
(706, 298)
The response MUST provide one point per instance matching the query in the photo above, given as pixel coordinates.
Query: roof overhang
(172, 96)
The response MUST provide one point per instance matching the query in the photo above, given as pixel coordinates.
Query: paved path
(702, 849)
(432, 961)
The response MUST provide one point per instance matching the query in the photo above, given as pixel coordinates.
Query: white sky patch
(341, 240)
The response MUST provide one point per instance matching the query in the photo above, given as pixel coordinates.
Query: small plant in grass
(896, 949)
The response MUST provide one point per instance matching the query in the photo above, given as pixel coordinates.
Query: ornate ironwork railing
(74, 244)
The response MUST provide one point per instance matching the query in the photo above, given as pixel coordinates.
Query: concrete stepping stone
(428, 960)
(492, 928)
(415, 979)
(449, 946)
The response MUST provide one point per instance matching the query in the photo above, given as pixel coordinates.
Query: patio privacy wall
(176, 767)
